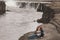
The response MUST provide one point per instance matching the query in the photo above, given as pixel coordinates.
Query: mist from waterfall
(11, 3)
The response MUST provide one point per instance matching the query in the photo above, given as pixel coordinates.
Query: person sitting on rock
(39, 31)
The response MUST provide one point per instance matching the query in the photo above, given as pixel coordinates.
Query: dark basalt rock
(34, 5)
(48, 13)
(2, 7)
(23, 5)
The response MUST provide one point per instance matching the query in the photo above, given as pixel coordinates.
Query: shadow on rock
(28, 36)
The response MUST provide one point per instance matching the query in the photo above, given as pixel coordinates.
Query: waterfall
(11, 3)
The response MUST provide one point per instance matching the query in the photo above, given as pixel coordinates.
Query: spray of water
(11, 3)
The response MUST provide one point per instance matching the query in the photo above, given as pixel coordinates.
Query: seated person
(39, 31)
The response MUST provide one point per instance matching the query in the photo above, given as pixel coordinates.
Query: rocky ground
(50, 34)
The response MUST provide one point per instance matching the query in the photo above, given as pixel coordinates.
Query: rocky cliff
(51, 15)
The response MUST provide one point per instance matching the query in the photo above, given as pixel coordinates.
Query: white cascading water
(11, 3)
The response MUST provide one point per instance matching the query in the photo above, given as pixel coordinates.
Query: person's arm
(36, 30)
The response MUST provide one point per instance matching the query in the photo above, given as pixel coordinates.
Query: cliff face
(48, 13)
(51, 15)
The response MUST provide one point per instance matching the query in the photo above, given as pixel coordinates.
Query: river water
(17, 22)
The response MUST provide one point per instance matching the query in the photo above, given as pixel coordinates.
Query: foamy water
(16, 23)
